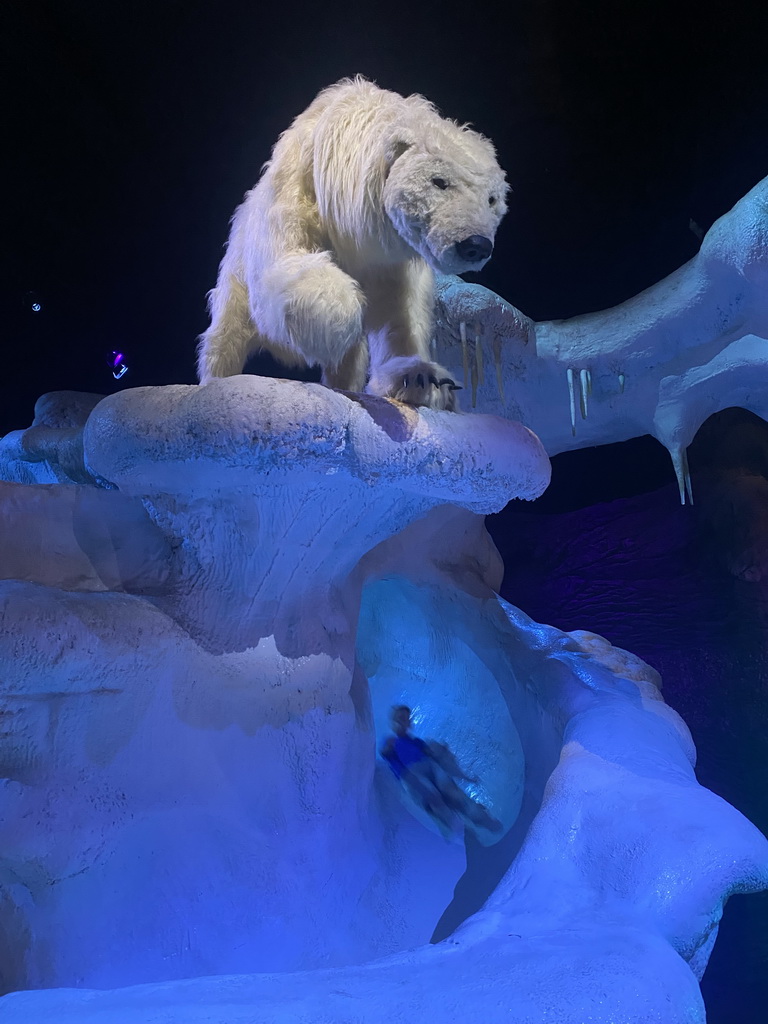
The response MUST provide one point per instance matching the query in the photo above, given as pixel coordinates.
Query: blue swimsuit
(403, 752)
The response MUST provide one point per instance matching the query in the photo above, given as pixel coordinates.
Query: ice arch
(417, 646)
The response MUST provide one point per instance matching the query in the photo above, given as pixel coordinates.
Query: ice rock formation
(51, 450)
(190, 761)
(191, 786)
(82, 534)
(659, 363)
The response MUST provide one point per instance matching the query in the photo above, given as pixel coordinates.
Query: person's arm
(441, 755)
(390, 756)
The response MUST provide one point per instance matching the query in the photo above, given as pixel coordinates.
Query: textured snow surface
(191, 783)
(51, 450)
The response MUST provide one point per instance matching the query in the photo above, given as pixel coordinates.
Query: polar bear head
(445, 195)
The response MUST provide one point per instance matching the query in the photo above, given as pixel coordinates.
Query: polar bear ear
(397, 145)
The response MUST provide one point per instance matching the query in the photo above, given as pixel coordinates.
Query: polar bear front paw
(416, 382)
(322, 307)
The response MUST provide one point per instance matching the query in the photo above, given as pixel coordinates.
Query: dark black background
(133, 130)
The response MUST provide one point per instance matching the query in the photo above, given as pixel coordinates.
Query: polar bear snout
(475, 249)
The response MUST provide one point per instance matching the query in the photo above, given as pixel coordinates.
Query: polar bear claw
(415, 382)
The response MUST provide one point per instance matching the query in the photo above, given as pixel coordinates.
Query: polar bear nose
(474, 249)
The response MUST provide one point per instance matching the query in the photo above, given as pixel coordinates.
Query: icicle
(683, 474)
(622, 379)
(572, 399)
(464, 352)
(688, 482)
(433, 345)
(479, 356)
(497, 364)
(583, 403)
(474, 383)
(589, 383)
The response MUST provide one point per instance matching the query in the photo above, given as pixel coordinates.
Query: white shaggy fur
(331, 255)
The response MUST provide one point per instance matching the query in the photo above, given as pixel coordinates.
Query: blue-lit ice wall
(415, 648)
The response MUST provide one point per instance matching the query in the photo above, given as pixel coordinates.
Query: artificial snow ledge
(250, 429)
(273, 490)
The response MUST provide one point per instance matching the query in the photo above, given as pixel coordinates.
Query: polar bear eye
(440, 183)
(491, 200)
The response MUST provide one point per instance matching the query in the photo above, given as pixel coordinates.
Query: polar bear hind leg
(224, 348)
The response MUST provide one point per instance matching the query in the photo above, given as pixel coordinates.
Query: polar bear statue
(331, 256)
